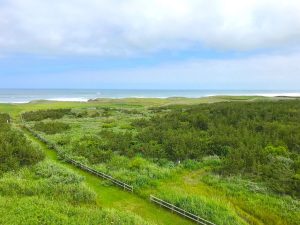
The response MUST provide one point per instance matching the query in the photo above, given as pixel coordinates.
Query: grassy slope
(113, 197)
(250, 207)
(15, 109)
(110, 197)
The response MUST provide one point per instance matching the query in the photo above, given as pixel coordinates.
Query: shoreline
(23, 96)
(86, 100)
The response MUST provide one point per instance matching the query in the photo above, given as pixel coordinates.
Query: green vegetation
(35, 211)
(45, 114)
(233, 161)
(15, 150)
(50, 194)
(260, 140)
(51, 127)
(4, 118)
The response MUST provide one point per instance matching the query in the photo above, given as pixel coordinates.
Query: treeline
(259, 139)
(15, 150)
(45, 114)
(51, 127)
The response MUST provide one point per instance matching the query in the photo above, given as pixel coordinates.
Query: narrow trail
(113, 197)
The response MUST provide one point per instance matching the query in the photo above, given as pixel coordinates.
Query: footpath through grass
(113, 197)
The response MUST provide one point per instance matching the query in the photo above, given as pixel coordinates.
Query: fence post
(182, 212)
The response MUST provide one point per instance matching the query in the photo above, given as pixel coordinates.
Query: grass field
(192, 185)
(15, 109)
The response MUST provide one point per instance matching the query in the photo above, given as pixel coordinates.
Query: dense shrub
(51, 127)
(15, 150)
(45, 114)
(136, 171)
(51, 194)
(258, 139)
(90, 147)
(108, 125)
(56, 174)
(38, 210)
(204, 207)
(47, 179)
(4, 118)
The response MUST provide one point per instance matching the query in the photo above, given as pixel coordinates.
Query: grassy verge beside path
(113, 197)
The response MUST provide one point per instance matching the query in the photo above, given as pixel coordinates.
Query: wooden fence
(100, 174)
(82, 166)
(180, 211)
(123, 185)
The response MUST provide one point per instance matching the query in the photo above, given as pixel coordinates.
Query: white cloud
(124, 27)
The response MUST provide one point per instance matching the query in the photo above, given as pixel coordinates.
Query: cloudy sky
(173, 44)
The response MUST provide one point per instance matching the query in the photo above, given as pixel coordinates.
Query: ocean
(27, 95)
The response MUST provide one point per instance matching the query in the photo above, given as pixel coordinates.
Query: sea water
(27, 95)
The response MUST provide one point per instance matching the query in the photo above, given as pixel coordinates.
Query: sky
(150, 44)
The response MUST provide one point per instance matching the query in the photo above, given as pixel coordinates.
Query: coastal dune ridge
(19, 96)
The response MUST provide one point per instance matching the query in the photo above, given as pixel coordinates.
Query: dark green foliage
(85, 113)
(91, 147)
(117, 141)
(45, 114)
(15, 150)
(81, 114)
(130, 111)
(100, 148)
(140, 123)
(4, 118)
(279, 174)
(259, 139)
(51, 127)
(107, 112)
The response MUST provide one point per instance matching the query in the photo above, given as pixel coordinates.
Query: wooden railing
(100, 174)
(180, 211)
(123, 185)
(81, 165)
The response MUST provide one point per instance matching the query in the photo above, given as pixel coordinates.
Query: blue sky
(154, 44)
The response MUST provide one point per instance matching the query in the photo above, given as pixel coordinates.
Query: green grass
(115, 198)
(193, 187)
(15, 109)
(35, 211)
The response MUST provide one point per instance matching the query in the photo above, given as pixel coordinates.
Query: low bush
(47, 179)
(15, 150)
(41, 210)
(51, 127)
(204, 207)
(136, 171)
(126, 127)
(56, 174)
(4, 118)
(108, 125)
(45, 114)
(256, 199)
